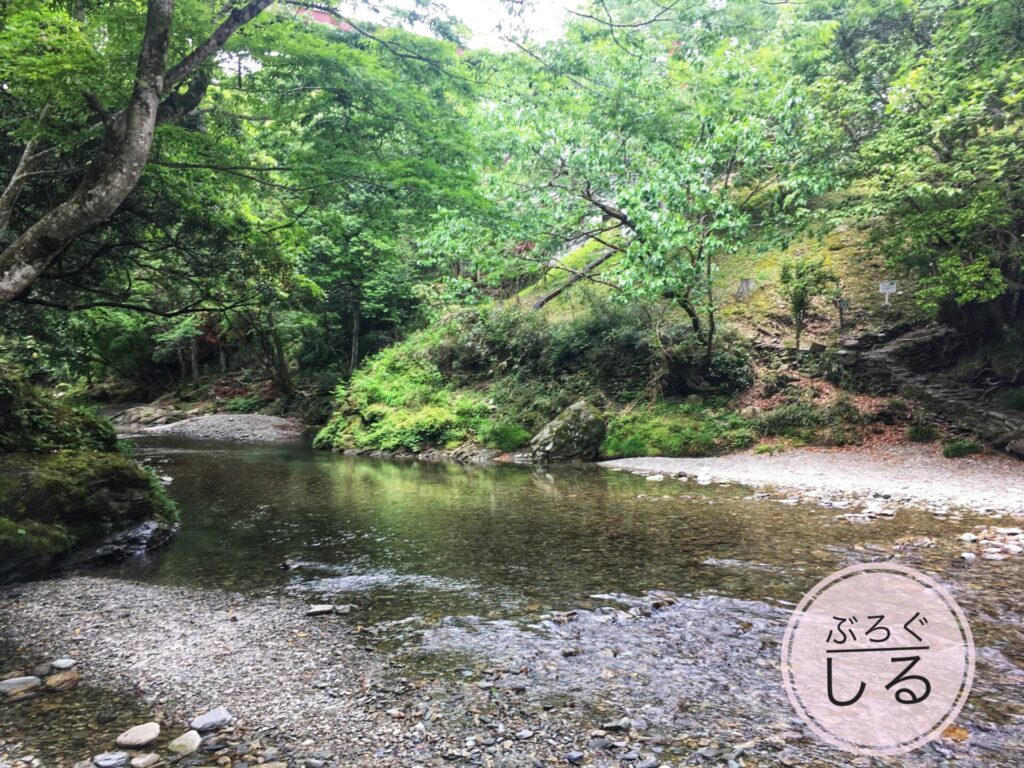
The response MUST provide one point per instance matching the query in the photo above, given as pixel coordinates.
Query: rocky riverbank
(908, 475)
(644, 681)
(232, 427)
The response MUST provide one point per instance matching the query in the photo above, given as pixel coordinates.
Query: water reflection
(412, 538)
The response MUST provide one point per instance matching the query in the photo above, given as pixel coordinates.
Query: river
(460, 566)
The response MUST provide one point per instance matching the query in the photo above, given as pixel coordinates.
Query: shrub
(243, 404)
(503, 435)
(807, 422)
(956, 449)
(921, 430)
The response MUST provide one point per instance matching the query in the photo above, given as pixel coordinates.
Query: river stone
(576, 433)
(146, 761)
(111, 760)
(42, 670)
(319, 610)
(968, 557)
(185, 744)
(62, 664)
(212, 720)
(16, 686)
(139, 736)
(63, 681)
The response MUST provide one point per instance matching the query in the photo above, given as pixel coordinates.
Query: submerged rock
(576, 433)
(62, 664)
(63, 681)
(18, 686)
(111, 760)
(185, 744)
(146, 761)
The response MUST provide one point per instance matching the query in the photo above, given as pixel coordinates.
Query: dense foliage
(323, 188)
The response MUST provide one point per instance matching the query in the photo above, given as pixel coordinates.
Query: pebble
(63, 663)
(968, 537)
(524, 734)
(111, 760)
(212, 720)
(185, 744)
(139, 736)
(655, 478)
(42, 670)
(968, 557)
(146, 761)
(574, 758)
(18, 686)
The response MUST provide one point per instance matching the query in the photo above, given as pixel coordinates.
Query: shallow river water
(468, 565)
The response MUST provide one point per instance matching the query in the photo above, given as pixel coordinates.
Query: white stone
(139, 736)
(111, 760)
(146, 761)
(968, 537)
(319, 610)
(62, 664)
(655, 478)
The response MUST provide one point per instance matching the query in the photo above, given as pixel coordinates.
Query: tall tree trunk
(194, 357)
(353, 359)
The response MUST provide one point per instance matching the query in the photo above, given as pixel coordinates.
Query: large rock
(576, 433)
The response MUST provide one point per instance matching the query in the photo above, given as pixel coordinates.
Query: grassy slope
(403, 401)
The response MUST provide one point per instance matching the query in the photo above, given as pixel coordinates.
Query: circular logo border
(850, 572)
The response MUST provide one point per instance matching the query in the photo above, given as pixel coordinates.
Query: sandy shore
(909, 474)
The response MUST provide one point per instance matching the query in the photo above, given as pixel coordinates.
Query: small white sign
(887, 289)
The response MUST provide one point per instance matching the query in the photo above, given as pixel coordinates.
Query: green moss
(675, 430)
(957, 449)
(504, 436)
(65, 482)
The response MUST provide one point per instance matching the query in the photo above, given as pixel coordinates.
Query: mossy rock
(66, 488)
(576, 433)
(54, 504)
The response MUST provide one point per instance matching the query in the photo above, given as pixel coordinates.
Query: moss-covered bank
(495, 376)
(66, 486)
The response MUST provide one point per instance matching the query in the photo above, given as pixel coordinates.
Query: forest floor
(912, 474)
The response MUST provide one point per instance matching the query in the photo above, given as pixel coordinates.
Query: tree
(121, 154)
(801, 280)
